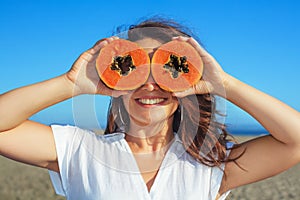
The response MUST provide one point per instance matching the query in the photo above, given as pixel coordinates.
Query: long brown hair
(195, 120)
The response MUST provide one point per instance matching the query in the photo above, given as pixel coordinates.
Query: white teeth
(151, 101)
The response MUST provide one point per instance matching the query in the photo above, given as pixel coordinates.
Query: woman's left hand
(214, 79)
(264, 156)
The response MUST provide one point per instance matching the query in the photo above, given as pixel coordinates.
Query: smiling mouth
(150, 101)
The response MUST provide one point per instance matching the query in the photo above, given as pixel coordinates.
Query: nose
(150, 84)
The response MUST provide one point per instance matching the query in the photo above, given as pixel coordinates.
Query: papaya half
(176, 66)
(123, 65)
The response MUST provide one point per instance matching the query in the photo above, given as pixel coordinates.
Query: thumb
(200, 88)
(180, 94)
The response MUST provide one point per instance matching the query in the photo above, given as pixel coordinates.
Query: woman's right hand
(17, 105)
(83, 74)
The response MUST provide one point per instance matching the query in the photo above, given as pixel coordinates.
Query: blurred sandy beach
(284, 186)
(23, 182)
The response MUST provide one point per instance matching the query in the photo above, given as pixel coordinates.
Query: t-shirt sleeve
(64, 137)
(216, 180)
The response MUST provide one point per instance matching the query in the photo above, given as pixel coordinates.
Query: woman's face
(149, 103)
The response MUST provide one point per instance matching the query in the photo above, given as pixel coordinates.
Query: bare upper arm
(263, 157)
(31, 143)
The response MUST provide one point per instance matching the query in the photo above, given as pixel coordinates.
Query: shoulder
(75, 129)
(70, 132)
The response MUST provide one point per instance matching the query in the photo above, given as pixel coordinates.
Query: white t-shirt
(96, 167)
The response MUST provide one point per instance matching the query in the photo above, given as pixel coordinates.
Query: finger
(201, 87)
(101, 43)
(110, 39)
(194, 43)
(97, 47)
(115, 37)
(198, 47)
(181, 38)
(184, 93)
(104, 90)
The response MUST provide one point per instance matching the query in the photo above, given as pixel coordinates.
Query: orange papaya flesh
(176, 66)
(123, 65)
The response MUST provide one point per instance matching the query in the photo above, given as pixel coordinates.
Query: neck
(150, 138)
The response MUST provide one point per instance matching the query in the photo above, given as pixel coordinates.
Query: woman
(158, 144)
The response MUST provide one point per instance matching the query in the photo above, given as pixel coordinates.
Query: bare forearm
(18, 105)
(279, 119)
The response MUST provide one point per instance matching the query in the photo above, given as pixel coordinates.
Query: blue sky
(255, 41)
